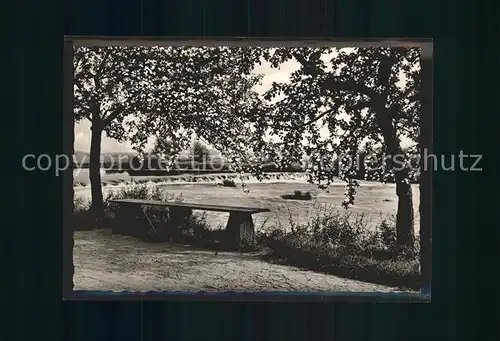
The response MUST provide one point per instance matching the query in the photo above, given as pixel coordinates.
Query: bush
(228, 183)
(298, 195)
(143, 191)
(197, 231)
(217, 164)
(341, 243)
(200, 152)
(82, 219)
(80, 204)
(157, 214)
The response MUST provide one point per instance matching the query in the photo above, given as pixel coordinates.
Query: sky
(82, 129)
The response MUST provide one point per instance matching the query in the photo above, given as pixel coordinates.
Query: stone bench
(239, 227)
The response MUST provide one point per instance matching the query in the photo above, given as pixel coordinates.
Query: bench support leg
(240, 228)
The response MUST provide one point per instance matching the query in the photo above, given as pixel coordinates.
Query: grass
(329, 240)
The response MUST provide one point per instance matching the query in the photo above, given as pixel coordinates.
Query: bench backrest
(204, 207)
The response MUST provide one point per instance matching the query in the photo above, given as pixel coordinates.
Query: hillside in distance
(82, 158)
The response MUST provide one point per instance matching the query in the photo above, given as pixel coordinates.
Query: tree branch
(98, 73)
(361, 105)
(317, 118)
(334, 84)
(85, 110)
(405, 130)
(76, 60)
(101, 64)
(114, 114)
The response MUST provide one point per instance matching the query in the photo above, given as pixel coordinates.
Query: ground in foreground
(110, 262)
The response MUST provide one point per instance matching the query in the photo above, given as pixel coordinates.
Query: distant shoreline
(210, 179)
(206, 178)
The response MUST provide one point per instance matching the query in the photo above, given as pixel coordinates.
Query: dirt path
(110, 262)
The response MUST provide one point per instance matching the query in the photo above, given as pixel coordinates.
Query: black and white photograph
(247, 166)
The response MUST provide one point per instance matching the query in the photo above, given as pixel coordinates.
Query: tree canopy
(363, 96)
(107, 82)
(205, 92)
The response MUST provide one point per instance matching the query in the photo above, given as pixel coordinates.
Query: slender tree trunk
(97, 205)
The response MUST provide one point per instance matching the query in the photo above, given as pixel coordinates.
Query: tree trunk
(97, 205)
(405, 225)
(384, 116)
